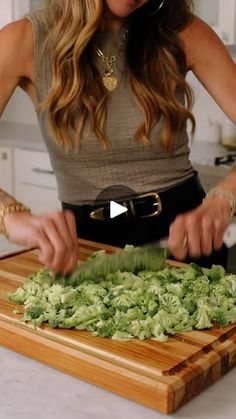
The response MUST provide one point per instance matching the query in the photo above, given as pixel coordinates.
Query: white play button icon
(116, 209)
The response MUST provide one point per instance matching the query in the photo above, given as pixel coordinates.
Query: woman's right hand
(54, 234)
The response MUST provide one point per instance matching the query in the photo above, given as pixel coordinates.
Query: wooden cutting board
(162, 376)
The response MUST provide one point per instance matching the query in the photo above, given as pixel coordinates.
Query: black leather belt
(142, 206)
(152, 205)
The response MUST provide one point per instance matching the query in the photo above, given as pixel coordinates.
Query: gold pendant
(110, 82)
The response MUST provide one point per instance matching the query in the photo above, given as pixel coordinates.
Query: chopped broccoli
(202, 316)
(118, 335)
(35, 312)
(126, 305)
(18, 297)
(216, 273)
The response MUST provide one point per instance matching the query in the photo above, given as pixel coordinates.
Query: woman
(107, 79)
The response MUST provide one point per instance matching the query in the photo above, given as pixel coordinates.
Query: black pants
(121, 230)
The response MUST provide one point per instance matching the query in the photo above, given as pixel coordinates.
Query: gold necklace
(109, 79)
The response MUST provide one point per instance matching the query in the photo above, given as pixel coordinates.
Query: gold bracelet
(225, 194)
(14, 207)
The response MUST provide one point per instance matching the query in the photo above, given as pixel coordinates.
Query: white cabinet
(15, 9)
(35, 183)
(221, 16)
(6, 169)
(20, 7)
(6, 12)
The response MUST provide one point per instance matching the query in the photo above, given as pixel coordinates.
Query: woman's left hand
(199, 232)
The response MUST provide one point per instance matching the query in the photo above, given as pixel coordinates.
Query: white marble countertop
(32, 390)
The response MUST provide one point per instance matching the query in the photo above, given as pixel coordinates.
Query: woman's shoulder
(17, 31)
(17, 44)
(195, 30)
(196, 36)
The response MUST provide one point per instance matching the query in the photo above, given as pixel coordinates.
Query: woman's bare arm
(202, 229)
(16, 68)
(210, 61)
(55, 233)
(16, 60)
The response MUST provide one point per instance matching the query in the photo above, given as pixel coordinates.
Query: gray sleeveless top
(83, 174)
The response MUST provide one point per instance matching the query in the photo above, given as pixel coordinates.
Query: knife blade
(151, 256)
(131, 259)
(229, 237)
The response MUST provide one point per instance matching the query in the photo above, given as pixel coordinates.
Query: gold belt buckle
(98, 214)
(157, 204)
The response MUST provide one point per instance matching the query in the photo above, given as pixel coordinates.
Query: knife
(229, 237)
(150, 256)
(131, 259)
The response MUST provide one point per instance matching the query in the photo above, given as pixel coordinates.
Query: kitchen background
(25, 169)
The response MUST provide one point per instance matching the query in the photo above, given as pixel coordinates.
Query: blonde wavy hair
(155, 65)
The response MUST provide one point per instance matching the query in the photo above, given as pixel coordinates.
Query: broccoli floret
(121, 320)
(118, 335)
(68, 295)
(167, 321)
(135, 313)
(190, 303)
(36, 311)
(141, 328)
(200, 286)
(158, 333)
(17, 297)
(189, 273)
(231, 280)
(202, 316)
(216, 273)
(176, 288)
(170, 302)
(155, 287)
(105, 328)
(231, 315)
(220, 316)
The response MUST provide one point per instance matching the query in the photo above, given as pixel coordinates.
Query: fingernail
(185, 243)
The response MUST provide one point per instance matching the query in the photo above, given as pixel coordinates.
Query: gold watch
(4, 210)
